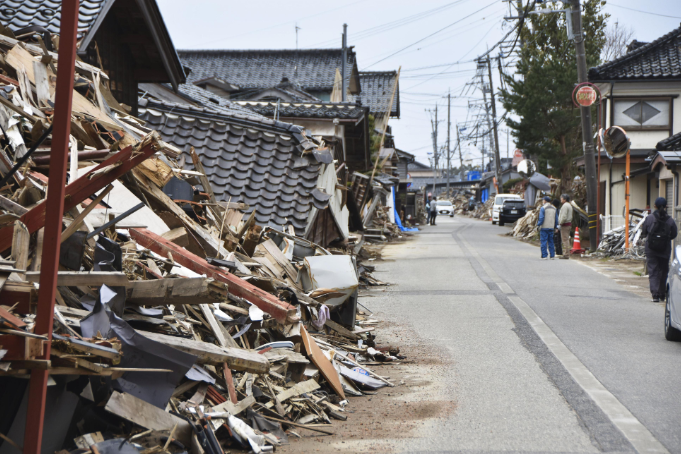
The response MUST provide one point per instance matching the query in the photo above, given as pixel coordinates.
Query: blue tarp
(398, 221)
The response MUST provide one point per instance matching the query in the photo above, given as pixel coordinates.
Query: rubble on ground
(187, 325)
(613, 241)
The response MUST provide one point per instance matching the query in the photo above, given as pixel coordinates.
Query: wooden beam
(88, 278)
(21, 240)
(280, 310)
(71, 229)
(105, 173)
(148, 416)
(11, 206)
(198, 290)
(236, 358)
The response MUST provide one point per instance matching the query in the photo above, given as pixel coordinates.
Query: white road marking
(637, 434)
(634, 431)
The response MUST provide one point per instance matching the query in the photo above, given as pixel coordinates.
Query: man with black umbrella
(659, 229)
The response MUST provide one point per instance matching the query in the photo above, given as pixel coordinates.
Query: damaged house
(285, 177)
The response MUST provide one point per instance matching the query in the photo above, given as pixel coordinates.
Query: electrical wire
(279, 25)
(641, 11)
(429, 36)
(388, 26)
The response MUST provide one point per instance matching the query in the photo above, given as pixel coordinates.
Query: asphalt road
(543, 356)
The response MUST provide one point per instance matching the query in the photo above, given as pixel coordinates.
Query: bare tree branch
(617, 38)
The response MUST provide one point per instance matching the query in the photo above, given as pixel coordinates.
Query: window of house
(642, 113)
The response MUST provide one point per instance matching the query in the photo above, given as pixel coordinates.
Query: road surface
(542, 356)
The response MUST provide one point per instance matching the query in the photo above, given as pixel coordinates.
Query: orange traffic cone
(577, 245)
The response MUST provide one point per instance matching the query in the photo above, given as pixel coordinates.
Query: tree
(617, 38)
(540, 92)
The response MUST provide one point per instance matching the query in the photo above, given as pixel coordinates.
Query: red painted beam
(82, 188)
(280, 310)
(50, 215)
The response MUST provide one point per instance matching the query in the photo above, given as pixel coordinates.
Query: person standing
(556, 233)
(433, 211)
(565, 223)
(548, 220)
(428, 202)
(659, 229)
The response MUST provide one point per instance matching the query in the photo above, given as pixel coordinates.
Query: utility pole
(489, 123)
(344, 63)
(449, 149)
(458, 144)
(587, 133)
(435, 153)
(497, 158)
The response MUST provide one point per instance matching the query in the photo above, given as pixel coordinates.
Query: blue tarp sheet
(398, 221)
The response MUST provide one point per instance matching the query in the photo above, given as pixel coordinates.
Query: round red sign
(585, 96)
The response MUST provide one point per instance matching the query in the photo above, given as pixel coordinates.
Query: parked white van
(498, 204)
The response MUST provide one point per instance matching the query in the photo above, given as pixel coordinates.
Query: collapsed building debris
(198, 308)
(613, 241)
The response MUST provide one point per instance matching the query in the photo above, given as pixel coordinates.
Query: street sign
(586, 96)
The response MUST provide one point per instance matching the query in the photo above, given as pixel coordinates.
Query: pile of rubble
(526, 227)
(613, 241)
(180, 323)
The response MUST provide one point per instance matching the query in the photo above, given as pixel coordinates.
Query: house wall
(638, 187)
(642, 140)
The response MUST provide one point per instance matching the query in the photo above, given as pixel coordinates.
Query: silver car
(445, 207)
(672, 312)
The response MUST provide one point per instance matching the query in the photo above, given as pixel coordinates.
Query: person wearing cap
(548, 221)
(565, 224)
(659, 229)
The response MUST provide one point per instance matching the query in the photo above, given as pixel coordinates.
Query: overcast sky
(460, 29)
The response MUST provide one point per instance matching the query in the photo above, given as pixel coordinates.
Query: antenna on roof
(297, 28)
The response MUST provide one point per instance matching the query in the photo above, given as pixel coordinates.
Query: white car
(445, 207)
(499, 202)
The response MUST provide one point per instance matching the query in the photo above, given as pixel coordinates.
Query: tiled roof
(660, 59)
(672, 143)
(377, 88)
(312, 69)
(270, 165)
(17, 14)
(305, 110)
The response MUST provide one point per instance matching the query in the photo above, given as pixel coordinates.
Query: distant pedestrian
(556, 233)
(430, 199)
(565, 223)
(548, 220)
(659, 229)
(433, 211)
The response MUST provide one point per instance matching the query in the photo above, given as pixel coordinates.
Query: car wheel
(501, 223)
(670, 333)
(494, 222)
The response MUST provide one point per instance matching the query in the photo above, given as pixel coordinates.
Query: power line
(432, 34)
(278, 25)
(641, 11)
(397, 23)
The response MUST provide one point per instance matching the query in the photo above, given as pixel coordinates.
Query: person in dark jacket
(658, 259)
(433, 210)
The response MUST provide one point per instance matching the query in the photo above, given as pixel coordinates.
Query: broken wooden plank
(177, 236)
(236, 358)
(12, 207)
(21, 240)
(87, 278)
(148, 416)
(196, 290)
(74, 193)
(280, 310)
(75, 225)
(298, 389)
(235, 409)
(325, 367)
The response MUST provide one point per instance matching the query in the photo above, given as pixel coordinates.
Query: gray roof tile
(17, 14)
(377, 88)
(305, 109)
(660, 59)
(247, 159)
(311, 69)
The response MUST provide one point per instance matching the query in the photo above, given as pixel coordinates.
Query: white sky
(217, 24)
